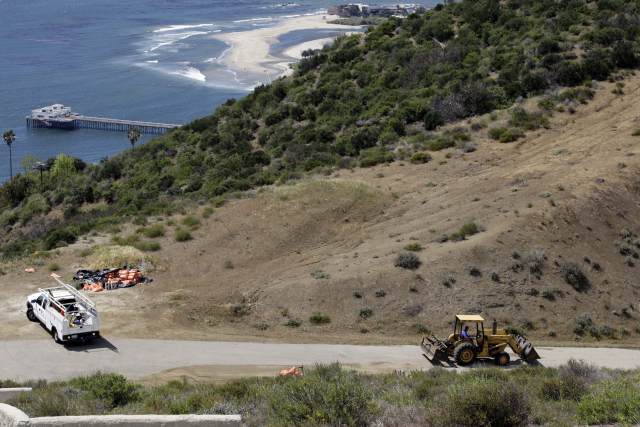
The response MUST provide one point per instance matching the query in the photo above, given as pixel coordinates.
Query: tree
(8, 137)
(134, 136)
(63, 166)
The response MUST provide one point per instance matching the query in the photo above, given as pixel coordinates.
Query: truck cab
(64, 312)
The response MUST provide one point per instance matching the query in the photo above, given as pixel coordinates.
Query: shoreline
(249, 52)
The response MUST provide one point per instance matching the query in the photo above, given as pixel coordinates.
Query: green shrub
(407, 260)
(413, 247)
(365, 313)
(505, 135)
(112, 389)
(58, 237)
(320, 275)
(293, 323)
(191, 222)
(36, 204)
(523, 119)
(319, 318)
(468, 229)
(54, 266)
(481, 402)
(147, 246)
(496, 133)
(153, 231)
(327, 395)
(207, 212)
(182, 235)
(574, 276)
(611, 402)
(421, 157)
(375, 156)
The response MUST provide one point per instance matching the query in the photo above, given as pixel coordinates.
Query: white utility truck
(64, 312)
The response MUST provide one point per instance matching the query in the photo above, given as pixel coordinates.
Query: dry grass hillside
(560, 203)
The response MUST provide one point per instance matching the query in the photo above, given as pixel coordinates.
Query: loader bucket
(434, 350)
(526, 350)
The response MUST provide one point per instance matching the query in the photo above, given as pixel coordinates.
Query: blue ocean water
(136, 60)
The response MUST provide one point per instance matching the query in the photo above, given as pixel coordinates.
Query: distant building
(365, 10)
(55, 111)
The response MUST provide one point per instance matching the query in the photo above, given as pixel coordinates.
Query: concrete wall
(12, 417)
(10, 393)
(140, 421)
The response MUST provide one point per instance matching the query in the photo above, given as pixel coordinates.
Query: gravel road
(139, 358)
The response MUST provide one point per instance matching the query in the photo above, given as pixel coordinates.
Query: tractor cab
(473, 324)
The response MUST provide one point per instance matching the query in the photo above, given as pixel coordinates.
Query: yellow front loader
(464, 350)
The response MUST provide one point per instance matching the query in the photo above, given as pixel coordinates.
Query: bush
(59, 237)
(482, 402)
(407, 260)
(182, 235)
(611, 402)
(54, 266)
(413, 247)
(191, 222)
(153, 231)
(421, 157)
(115, 256)
(327, 395)
(366, 313)
(319, 318)
(468, 229)
(523, 119)
(147, 246)
(293, 323)
(375, 156)
(113, 389)
(574, 276)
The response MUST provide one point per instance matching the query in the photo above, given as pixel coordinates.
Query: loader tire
(502, 359)
(464, 354)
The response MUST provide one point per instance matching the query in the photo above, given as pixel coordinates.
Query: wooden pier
(69, 121)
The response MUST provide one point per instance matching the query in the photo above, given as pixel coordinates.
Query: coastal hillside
(540, 234)
(481, 157)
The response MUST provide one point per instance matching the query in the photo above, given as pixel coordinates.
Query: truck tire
(502, 358)
(464, 354)
(56, 338)
(31, 315)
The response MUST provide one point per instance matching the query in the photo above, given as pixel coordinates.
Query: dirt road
(135, 358)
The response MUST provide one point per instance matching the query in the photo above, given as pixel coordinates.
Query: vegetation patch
(182, 235)
(574, 276)
(116, 256)
(407, 260)
(468, 229)
(319, 318)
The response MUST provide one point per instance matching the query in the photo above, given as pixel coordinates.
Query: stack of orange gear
(93, 287)
(129, 277)
(294, 371)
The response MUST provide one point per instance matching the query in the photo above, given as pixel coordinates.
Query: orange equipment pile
(110, 279)
(294, 371)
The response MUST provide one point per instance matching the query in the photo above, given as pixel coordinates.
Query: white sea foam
(239, 21)
(171, 38)
(171, 28)
(154, 61)
(190, 73)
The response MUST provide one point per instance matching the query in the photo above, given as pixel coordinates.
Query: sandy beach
(249, 52)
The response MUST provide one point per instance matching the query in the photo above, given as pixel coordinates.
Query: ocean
(150, 60)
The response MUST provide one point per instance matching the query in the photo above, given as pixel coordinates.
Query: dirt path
(213, 360)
